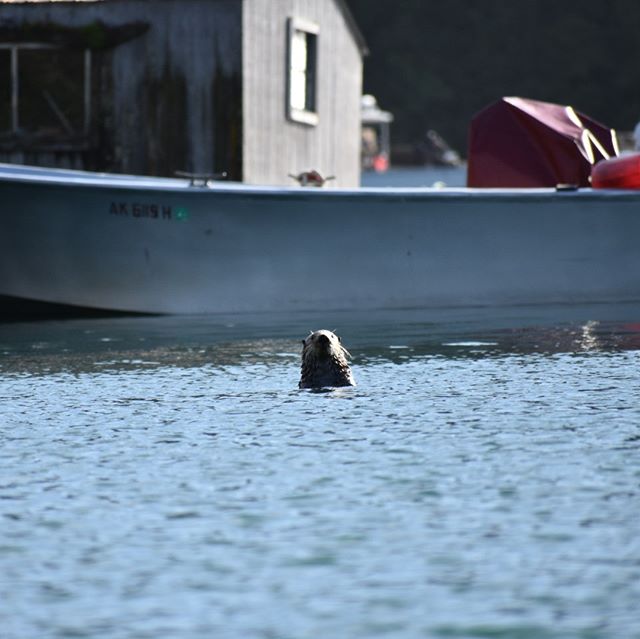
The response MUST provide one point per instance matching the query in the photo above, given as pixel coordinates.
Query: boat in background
(375, 143)
(522, 143)
(617, 173)
(169, 245)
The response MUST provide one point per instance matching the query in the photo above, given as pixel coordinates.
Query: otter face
(324, 361)
(323, 344)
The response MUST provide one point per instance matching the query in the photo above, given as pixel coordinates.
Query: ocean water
(164, 477)
(452, 176)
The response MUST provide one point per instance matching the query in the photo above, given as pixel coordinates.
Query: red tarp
(526, 143)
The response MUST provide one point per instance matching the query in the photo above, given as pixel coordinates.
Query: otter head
(324, 361)
(323, 344)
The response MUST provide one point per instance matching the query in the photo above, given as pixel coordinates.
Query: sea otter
(324, 361)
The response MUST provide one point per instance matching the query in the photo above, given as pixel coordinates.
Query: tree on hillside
(435, 64)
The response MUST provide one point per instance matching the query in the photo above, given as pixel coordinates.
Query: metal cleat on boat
(201, 179)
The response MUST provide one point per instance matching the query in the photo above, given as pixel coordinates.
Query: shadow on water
(13, 309)
(94, 344)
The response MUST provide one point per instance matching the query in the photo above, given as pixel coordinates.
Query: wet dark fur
(324, 362)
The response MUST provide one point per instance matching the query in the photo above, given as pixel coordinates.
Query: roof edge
(353, 25)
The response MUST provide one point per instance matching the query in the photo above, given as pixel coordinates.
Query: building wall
(169, 99)
(274, 146)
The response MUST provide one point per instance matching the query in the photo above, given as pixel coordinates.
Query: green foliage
(435, 64)
(94, 35)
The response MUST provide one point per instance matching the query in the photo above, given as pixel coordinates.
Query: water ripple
(469, 486)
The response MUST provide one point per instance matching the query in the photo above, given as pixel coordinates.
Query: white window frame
(302, 71)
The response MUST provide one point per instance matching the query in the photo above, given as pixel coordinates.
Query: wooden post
(87, 91)
(15, 122)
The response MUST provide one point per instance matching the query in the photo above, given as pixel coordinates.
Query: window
(44, 92)
(303, 58)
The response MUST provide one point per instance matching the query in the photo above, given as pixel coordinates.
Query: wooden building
(257, 88)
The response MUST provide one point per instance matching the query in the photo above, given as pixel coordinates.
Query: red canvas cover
(517, 142)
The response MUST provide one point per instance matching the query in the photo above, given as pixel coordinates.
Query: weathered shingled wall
(168, 99)
(275, 147)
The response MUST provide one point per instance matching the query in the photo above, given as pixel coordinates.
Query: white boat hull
(161, 246)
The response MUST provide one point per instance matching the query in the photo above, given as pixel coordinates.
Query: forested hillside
(434, 64)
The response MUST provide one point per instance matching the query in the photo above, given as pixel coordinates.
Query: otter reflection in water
(324, 361)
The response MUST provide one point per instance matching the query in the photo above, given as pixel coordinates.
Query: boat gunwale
(70, 179)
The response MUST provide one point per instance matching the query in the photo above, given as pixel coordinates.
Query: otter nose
(323, 340)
